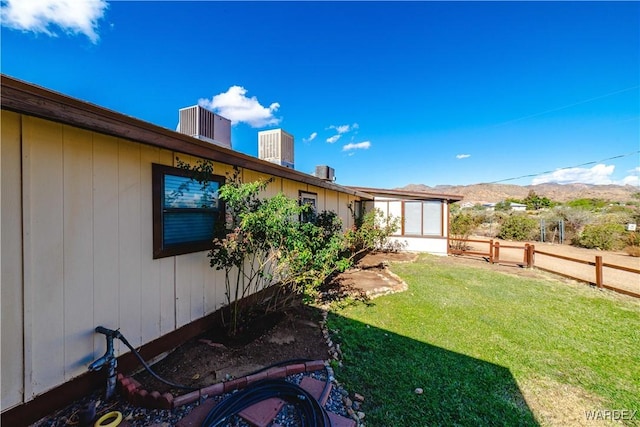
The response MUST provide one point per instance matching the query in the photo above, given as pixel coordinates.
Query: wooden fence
(529, 253)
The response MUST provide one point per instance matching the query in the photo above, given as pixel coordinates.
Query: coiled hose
(311, 413)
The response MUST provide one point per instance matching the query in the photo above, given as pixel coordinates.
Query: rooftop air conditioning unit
(206, 125)
(325, 172)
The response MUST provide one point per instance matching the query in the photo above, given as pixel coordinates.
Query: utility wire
(568, 167)
(564, 107)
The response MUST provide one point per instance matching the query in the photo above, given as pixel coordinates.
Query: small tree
(462, 224)
(535, 202)
(279, 244)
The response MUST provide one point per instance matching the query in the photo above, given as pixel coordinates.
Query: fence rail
(528, 260)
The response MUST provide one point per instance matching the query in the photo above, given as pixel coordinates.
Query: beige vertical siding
(129, 237)
(11, 346)
(106, 239)
(343, 208)
(332, 201)
(43, 228)
(77, 243)
(292, 188)
(77, 249)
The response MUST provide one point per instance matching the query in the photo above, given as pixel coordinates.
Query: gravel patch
(134, 416)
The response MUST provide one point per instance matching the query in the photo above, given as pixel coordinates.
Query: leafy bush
(518, 227)
(587, 204)
(602, 236)
(462, 225)
(371, 232)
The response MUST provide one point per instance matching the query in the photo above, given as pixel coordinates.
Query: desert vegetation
(589, 223)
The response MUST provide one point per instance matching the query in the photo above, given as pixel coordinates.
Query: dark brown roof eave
(418, 195)
(30, 99)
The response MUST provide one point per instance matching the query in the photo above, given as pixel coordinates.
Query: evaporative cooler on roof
(206, 125)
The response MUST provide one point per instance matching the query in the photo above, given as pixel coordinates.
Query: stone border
(133, 392)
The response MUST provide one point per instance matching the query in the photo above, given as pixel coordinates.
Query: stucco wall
(77, 243)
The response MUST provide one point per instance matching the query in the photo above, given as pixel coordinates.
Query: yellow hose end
(114, 417)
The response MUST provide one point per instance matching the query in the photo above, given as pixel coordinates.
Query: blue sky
(387, 93)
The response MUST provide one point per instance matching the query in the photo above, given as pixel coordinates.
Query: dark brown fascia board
(30, 99)
(408, 194)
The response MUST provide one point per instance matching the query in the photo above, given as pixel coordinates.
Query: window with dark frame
(310, 199)
(186, 213)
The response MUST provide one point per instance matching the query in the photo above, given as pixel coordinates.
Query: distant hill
(493, 193)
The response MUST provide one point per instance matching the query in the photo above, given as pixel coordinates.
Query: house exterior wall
(434, 244)
(77, 245)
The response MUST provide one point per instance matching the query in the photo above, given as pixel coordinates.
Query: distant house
(517, 207)
(92, 236)
(467, 205)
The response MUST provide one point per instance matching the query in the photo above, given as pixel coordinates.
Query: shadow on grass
(457, 390)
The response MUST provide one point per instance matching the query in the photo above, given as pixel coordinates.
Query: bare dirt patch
(612, 277)
(210, 358)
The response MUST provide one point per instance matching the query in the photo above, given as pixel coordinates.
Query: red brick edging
(133, 392)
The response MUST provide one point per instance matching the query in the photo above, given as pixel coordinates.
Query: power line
(553, 110)
(564, 168)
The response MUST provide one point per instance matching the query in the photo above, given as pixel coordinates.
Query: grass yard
(490, 348)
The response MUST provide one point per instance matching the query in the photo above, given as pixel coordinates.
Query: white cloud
(633, 178)
(38, 16)
(311, 137)
(357, 146)
(333, 139)
(344, 128)
(599, 174)
(235, 106)
(463, 156)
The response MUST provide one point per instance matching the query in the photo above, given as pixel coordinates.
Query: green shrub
(462, 224)
(587, 204)
(602, 236)
(518, 227)
(372, 232)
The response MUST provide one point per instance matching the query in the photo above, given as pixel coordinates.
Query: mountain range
(493, 193)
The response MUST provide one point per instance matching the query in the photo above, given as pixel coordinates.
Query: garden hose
(311, 413)
(110, 334)
(151, 371)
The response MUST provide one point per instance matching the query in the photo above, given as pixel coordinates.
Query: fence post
(491, 251)
(525, 255)
(532, 252)
(599, 271)
(496, 252)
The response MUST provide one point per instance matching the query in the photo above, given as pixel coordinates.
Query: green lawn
(489, 348)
